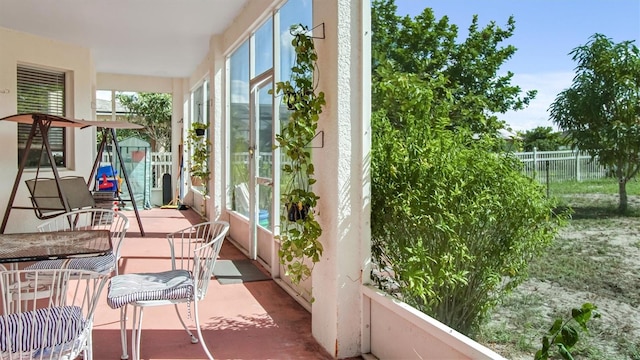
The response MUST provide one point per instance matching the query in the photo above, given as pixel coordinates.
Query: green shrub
(565, 333)
(454, 224)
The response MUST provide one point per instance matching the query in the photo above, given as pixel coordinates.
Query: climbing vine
(299, 229)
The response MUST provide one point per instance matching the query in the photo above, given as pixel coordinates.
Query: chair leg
(197, 319)
(87, 354)
(136, 332)
(123, 332)
(194, 340)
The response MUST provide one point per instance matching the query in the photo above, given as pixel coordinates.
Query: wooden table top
(54, 245)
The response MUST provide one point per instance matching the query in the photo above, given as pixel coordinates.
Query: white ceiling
(143, 37)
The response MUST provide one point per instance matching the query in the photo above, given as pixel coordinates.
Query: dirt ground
(596, 259)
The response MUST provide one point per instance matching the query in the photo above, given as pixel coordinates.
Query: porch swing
(104, 180)
(51, 197)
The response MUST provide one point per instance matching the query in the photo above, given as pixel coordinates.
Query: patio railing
(161, 163)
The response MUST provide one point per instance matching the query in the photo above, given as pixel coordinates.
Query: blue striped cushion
(101, 264)
(168, 285)
(40, 329)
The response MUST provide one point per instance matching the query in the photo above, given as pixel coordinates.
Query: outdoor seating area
(250, 319)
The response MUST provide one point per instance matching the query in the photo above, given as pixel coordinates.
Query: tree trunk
(622, 189)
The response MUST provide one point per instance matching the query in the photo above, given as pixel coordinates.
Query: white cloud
(239, 92)
(549, 85)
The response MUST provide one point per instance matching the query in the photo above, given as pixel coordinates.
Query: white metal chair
(194, 251)
(83, 219)
(58, 326)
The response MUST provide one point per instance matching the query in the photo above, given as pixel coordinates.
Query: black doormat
(237, 271)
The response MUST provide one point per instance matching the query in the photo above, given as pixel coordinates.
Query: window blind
(41, 91)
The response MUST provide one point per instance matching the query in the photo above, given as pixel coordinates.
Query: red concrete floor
(255, 320)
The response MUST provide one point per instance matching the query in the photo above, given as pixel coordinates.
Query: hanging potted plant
(199, 128)
(299, 229)
(199, 160)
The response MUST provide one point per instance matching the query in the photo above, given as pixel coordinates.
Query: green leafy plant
(299, 229)
(153, 111)
(599, 112)
(564, 333)
(199, 150)
(454, 223)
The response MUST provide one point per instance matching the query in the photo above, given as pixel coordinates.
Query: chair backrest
(55, 326)
(94, 219)
(196, 249)
(47, 202)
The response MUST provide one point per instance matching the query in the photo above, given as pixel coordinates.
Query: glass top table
(38, 246)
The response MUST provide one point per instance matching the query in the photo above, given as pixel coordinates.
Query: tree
(153, 111)
(601, 110)
(426, 47)
(453, 220)
(542, 138)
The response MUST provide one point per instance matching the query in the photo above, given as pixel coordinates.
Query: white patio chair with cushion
(58, 326)
(193, 251)
(88, 219)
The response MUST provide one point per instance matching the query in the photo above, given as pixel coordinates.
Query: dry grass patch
(595, 259)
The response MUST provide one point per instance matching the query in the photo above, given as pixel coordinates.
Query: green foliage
(199, 145)
(153, 111)
(564, 334)
(600, 110)
(426, 47)
(299, 230)
(454, 223)
(543, 138)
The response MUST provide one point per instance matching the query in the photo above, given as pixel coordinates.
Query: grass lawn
(603, 186)
(596, 259)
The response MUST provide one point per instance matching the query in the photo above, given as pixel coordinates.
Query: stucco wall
(20, 48)
(122, 82)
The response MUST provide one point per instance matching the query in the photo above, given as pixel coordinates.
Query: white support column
(342, 171)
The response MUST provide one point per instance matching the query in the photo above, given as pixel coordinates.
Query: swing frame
(53, 196)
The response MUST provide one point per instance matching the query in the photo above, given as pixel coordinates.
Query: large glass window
(200, 114)
(263, 40)
(239, 128)
(41, 91)
(291, 13)
(250, 63)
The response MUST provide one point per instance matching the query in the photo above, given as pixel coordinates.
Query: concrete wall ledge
(395, 330)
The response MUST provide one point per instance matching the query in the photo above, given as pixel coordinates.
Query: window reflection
(264, 48)
(291, 13)
(239, 128)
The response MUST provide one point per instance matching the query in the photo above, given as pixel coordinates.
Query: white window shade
(41, 91)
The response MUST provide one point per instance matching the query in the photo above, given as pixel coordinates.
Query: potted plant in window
(299, 229)
(199, 160)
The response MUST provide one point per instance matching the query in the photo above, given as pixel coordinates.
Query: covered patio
(213, 58)
(218, 59)
(252, 320)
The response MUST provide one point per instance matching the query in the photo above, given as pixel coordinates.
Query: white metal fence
(561, 165)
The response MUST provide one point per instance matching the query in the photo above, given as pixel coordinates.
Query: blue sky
(546, 31)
